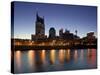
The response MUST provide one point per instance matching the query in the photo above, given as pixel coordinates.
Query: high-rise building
(39, 26)
(52, 33)
(39, 29)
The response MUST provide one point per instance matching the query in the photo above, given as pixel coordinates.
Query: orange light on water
(52, 56)
(75, 56)
(61, 55)
(68, 55)
(43, 56)
(18, 58)
(31, 57)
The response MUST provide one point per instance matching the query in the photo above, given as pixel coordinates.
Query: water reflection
(91, 56)
(75, 56)
(18, 59)
(68, 55)
(43, 56)
(49, 60)
(31, 58)
(82, 55)
(52, 56)
(61, 56)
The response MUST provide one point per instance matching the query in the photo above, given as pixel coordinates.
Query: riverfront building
(39, 29)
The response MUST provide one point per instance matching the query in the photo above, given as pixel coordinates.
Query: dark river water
(54, 60)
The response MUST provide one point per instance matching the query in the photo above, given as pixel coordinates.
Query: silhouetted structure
(76, 32)
(67, 35)
(90, 39)
(52, 33)
(61, 33)
(40, 26)
(40, 29)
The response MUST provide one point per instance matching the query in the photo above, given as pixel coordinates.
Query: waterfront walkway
(23, 47)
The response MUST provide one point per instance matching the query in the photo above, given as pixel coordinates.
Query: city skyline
(80, 18)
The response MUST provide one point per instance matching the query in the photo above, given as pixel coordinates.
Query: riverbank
(52, 47)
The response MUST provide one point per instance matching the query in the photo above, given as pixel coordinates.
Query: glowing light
(18, 59)
(61, 56)
(75, 56)
(43, 56)
(68, 55)
(31, 57)
(52, 56)
(82, 55)
(91, 56)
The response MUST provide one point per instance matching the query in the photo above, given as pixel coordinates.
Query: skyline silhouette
(71, 17)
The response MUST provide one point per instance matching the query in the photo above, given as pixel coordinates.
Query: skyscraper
(39, 29)
(39, 26)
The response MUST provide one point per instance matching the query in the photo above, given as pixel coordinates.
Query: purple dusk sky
(71, 17)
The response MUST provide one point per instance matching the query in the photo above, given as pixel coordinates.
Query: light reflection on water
(43, 57)
(82, 55)
(18, 59)
(91, 56)
(31, 58)
(68, 55)
(75, 56)
(61, 56)
(53, 60)
(52, 56)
